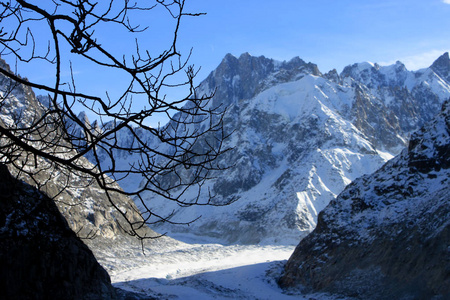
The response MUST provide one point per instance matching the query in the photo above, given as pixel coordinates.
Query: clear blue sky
(330, 33)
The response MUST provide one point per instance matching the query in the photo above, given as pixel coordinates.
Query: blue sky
(330, 33)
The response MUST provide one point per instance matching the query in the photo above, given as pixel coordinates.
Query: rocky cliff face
(386, 235)
(246, 76)
(391, 102)
(41, 257)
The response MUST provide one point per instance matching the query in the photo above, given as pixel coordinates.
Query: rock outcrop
(40, 256)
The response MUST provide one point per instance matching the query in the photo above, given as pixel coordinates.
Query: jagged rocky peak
(391, 102)
(82, 116)
(442, 66)
(395, 75)
(246, 76)
(94, 126)
(386, 235)
(355, 69)
(237, 78)
(333, 76)
(78, 131)
(17, 101)
(366, 73)
(374, 76)
(298, 64)
(400, 66)
(246, 65)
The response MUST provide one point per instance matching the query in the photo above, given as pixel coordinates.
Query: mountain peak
(228, 58)
(244, 77)
(296, 63)
(444, 59)
(360, 67)
(243, 60)
(442, 66)
(296, 60)
(245, 55)
(364, 72)
(399, 64)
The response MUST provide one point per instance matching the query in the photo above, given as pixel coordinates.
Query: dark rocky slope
(387, 235)
(40, 256)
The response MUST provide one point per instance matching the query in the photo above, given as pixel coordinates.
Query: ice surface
(211, 271)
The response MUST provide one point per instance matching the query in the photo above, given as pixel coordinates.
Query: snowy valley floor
(206, 271)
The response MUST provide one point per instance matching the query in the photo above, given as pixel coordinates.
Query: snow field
(210, 271)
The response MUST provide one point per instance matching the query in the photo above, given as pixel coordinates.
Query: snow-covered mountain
(386, 236)
(299, 138)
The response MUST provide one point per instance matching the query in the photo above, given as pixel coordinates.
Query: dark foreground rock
(40, 256)
(387, 235)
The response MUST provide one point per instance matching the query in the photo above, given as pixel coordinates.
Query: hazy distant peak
(296, 61)
(443, 60)
(83, 117)
(399, 66)
(442, 66)
(360, 67)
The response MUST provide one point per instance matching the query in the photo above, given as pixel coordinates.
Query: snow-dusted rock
(386, 236)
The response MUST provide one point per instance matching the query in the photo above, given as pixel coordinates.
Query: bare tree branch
(55, 135)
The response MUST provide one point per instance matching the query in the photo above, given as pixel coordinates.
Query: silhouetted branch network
(51, 137)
